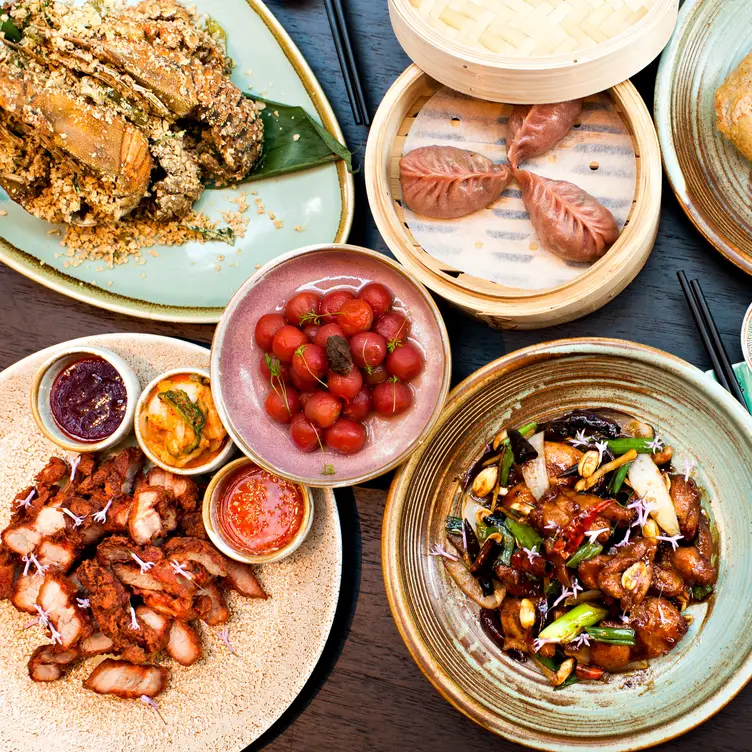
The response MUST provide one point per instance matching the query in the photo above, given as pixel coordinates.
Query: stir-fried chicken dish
(582, 544)
(111, 560)
(110, 111)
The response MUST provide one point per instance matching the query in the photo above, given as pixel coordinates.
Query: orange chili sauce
(259, 512)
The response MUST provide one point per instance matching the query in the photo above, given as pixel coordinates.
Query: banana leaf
(283, 152)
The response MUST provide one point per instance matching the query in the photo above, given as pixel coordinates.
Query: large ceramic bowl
(440, 626)
(240, 390)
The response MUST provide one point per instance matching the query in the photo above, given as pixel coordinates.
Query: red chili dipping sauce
(88, 399)
(259, 512)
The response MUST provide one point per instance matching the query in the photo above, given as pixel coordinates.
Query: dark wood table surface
(367, 694)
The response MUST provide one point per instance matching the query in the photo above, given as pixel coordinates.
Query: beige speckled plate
(223, 702)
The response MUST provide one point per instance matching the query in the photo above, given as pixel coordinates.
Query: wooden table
(367, 694)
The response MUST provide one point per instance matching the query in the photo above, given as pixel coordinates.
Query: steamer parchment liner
(223, 702)
(498, 243)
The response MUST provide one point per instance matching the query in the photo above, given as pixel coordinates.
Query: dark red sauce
(88, 399)
(259, 512)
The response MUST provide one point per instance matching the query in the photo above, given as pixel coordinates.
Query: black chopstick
(722, 366)
(342, 44)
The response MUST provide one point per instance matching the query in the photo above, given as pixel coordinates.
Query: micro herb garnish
(275, 372)
(300, 353)
(328, 470)
(189, 411)
(393, 380)
(311, 317)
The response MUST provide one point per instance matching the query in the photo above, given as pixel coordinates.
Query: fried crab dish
(582, 544)
(109, 112)
(111, 561)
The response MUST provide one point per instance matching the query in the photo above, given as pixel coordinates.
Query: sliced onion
(647, 481)
(470, 509)
(470, 587)
(534, 472)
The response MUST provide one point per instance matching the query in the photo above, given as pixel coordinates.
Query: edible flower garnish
(224, 635)
(688, 466)
(26, 503)
(30, 559)
(180, 569)
(581, 440)
(538, 643)
(582, 640)
(643, 509)
(626, 539)
(531, 553)
(655, 445)
(601, 446)
(44, 617)
(672, 539)
(437, 550)
(145, 565)
(54, 634)
(77, 521)
(83, 602)
(624, 618)
(592, 535)
(153, 705)
(134, 626)
(101, 515)
(74, 466)
(565, 593)
(576, 587)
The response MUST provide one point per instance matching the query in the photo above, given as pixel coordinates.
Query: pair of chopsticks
(346, 57)
(724, 369)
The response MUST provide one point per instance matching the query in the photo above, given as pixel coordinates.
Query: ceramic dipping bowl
(440, 625)
(240, 389)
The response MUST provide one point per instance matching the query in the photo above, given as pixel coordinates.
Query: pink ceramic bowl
(240, 390)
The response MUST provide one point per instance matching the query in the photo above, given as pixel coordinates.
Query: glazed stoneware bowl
(240, 390)
(440, 625)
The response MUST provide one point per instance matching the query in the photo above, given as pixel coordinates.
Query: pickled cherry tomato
(356, 316)
(266, 327)
(304, 434)
(332, 303)
(359, 406)
(345, 436)
(326, 331)
(393, 326)
(305, 396)
(368, 349)
(374, 376)
(310, 331)
(378, 296)
(309, 362)
(303, 308)
(323, 409)
(286, 341)
(284, 371)
(392, 398)
(282, 405)
(405, 362)
(345, 386)
(307, 384)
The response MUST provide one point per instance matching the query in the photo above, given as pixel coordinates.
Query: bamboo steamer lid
(501, 306)
(532, 51)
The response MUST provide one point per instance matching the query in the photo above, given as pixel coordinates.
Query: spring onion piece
(525, 535)
(617, 481)
(11, 31)
(583, 553)
(647, 481)
(485, 531)
(612, 635)
(506, 465)
(507, 546)
(454, 525)
(553, 590)
(701, 592)
(534, 472)
(573, 622)
(622, 446)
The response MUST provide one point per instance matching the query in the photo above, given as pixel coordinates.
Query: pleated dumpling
(569, 221)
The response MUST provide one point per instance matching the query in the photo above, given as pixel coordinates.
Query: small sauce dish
(177, 425)
(84, 398)
(254, 516)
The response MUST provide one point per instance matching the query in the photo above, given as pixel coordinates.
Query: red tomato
(282, 405)
(345, 436)
(303, 384)
(332, 303)
(310, 331)
(303, 308)
(305, 396)
(309, 362)
(322, 409)
(405, 362)
(376, 376)
(368, 349)
(393, 327)
(378, 296)
(356, 316)
(359, 406)
(345, 387)
(286, 341)
(392, 398)
(266, 327)
(284, 371)
(304, 435)
(326, 331)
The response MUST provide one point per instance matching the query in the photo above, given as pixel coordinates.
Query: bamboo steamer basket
(503, 307)
(532, 51)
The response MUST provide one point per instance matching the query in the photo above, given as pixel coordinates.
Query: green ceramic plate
(182, 283)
